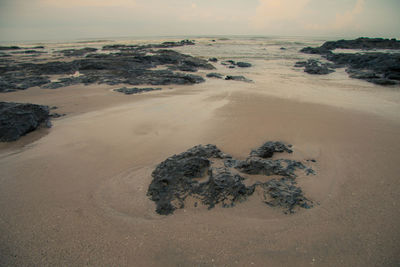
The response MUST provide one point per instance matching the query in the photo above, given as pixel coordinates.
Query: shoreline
(86, 198)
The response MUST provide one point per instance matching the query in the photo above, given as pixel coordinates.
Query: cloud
(89, 3)
(347, 19)
(270, 11)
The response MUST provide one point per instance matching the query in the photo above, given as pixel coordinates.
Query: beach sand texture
(75, 194)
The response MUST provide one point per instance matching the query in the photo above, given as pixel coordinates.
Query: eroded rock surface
(198, 174)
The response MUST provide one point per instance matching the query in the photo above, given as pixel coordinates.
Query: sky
(79, 19)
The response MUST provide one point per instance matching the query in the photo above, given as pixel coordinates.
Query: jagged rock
(18, 119)
(12, 82)
(129, 67)
(313, 66)
(363, 43)
(78, 52)
(135, 90)
(284, 167)
(268, 149)
(237, 78)
(283, 193)
(179, 177)
(215, 75)
(378, 68)
(141, 47)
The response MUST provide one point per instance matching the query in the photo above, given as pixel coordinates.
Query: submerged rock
(196, 174)
(18, 119)
(135, 90)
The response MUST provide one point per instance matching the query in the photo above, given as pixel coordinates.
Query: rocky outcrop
(378, 68)
(18, 119)
(128, 67)
(135, 90)
(215, 75)
(77, 52)
(198, 174)
(313, 66)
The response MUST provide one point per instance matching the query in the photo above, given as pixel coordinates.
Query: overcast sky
(73, 19)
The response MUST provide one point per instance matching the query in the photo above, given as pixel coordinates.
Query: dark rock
(78, 52)
(268, 149)
(283, 193)
(313, 66)
(141, 47)
(378, 68)
(232, 64)
(284, 167)
(29, 52)
(243, 64)
(363, 43)
(213, 59)
(135, 90)
(315, 50)
(180, 176)
(282, 48)
(237, 78)
(56, 115)
(12, 82)
(17, 119)
(215, 75)
(10, 47)
(129, 67)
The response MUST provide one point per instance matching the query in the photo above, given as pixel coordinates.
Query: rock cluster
(135, 90)
(233, 64)
(18, 119)
(375, 67)
(314, 66)
(128, 66)
(179, 177)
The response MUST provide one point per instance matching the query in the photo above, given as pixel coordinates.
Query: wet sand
(76, 194)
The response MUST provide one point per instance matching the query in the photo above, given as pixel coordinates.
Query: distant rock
(237, 78)
(10, 47)
(178, 177)
(129, 66)
(374, 67)
(18, 119)
(233, 64)
(313, 66)
(78, 52)
(135, 90)
(243, 64)
(215, 75)
(213, 59)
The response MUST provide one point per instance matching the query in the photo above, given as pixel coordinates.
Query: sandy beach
(75, 194)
